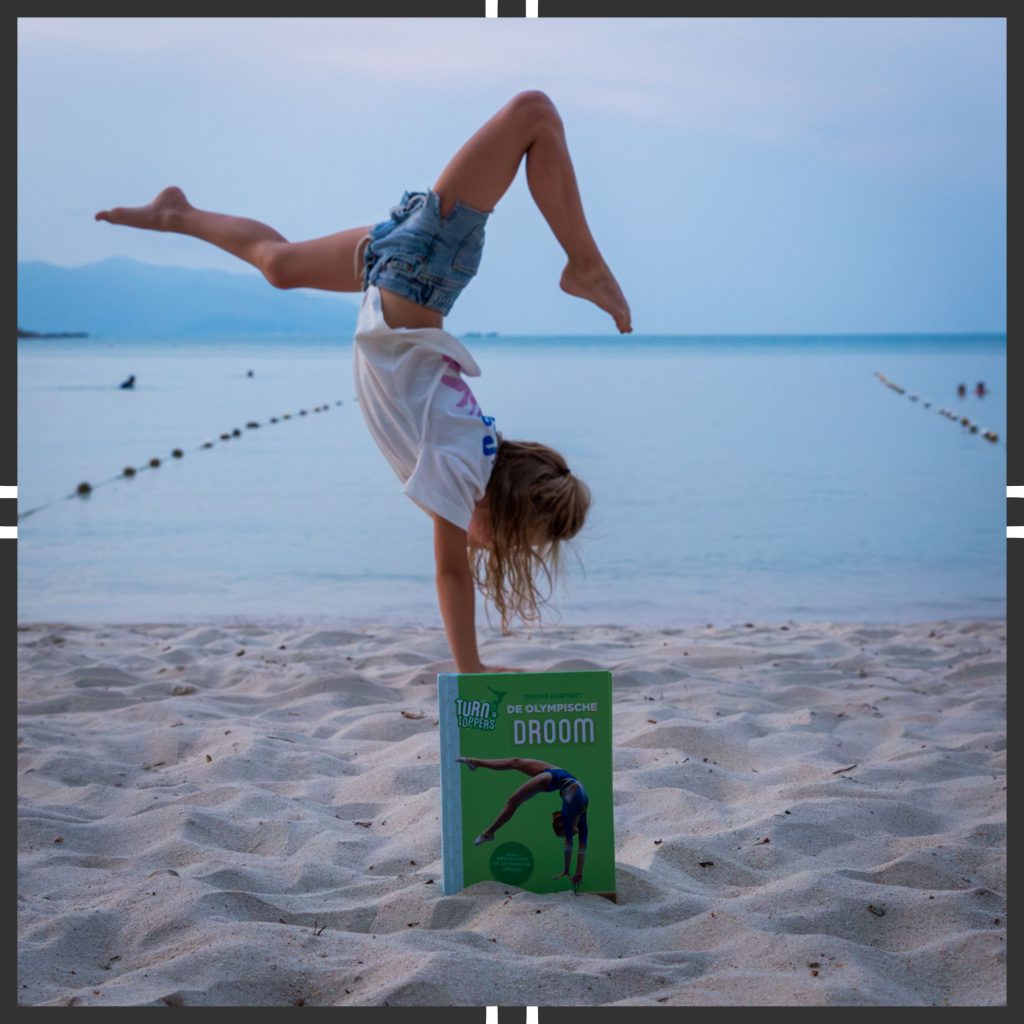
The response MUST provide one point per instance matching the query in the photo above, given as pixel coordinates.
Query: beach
(729, 295)
(806, 813)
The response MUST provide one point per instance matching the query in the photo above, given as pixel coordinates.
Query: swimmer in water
(544, 778)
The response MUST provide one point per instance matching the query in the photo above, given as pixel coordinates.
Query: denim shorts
(423, 256)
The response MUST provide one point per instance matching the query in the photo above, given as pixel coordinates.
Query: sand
(243, 815)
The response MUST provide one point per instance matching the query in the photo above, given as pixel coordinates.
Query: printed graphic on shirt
(469, 403)
(490, 444)
(458, 384)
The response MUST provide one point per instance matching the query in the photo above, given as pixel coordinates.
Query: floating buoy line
(950, 414)
(85, 488)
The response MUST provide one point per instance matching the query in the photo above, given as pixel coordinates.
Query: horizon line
(481, 336)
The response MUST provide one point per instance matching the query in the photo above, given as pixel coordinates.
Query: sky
(740, 175)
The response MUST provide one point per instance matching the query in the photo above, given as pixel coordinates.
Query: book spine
(451, 785)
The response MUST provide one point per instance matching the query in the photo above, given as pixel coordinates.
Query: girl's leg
(500, 764)
(330, 263)
(481, 171)
(523, 793)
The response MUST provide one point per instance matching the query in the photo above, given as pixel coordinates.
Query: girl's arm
(455, 593)
(581, 853)
(457, 597)
(568, 862)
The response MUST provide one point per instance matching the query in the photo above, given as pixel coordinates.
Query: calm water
(757, 479)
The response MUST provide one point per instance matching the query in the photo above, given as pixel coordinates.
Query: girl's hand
(577, 879)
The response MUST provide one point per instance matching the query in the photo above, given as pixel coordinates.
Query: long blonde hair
(533, 504)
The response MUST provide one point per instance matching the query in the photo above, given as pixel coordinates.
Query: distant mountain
(22, 333)
(123, 297)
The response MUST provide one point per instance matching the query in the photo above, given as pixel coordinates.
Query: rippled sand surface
(233, 815)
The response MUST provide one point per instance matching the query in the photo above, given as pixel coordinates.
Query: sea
(764, 479)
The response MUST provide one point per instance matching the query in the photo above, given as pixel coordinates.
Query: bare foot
(162, 214)
(597, 284)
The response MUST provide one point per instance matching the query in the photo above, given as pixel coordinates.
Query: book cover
(526, 780)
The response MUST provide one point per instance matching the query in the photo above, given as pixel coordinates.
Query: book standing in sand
(526, 781)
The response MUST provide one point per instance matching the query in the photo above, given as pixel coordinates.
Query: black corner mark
(414, 1014)
(512, 9)
(603, 9)
(414, 9)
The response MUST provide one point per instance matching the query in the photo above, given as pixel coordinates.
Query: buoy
(129, 471)
(273, 419)
(206, 444)
(951, 414)
(236, 432)
(84, 487)
(178, 453)
(154, 462)
(302, 412)
(338, 402)
(225, 437)
(287, 416)
(251, 425)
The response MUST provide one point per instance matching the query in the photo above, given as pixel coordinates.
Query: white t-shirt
(421, 412)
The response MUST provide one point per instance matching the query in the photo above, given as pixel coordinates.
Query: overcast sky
(747, 176)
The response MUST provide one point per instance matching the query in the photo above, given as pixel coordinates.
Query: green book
(525, 758)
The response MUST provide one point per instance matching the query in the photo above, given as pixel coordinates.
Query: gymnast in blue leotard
(544, 778)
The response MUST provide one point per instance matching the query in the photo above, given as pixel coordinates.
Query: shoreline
(431, 621)
(805, 814)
